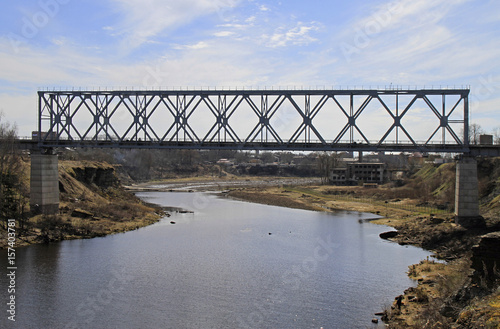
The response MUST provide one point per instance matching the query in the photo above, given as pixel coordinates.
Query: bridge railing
(389, 87)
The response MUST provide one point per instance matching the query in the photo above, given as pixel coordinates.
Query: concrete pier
(44, 196)
(466, 194)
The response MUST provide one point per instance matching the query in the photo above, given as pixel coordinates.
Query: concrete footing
(466, 194)
(44, 195)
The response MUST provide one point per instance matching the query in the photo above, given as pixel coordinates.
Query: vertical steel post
(397, 115)
(307, 112)
(39, 133)
(443, 139)
(466, 120)
(351, 116)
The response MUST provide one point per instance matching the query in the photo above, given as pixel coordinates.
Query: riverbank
(92, 204)
(438, 301)
(211, 183)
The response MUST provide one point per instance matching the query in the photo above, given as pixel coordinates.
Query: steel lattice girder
(90, 119)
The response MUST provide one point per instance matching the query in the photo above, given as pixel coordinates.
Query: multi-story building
(367, 172)
(359, 172)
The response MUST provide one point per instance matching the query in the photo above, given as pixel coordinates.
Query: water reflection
(218, 267)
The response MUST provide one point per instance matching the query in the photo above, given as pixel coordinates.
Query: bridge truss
(308, 120)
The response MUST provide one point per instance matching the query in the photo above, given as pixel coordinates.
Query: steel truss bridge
(425, 120)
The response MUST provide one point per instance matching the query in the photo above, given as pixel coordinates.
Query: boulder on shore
(486, 259)
(80, 213)
(388, 235)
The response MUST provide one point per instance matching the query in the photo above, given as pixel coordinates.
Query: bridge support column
(44, 186)
(466, 194)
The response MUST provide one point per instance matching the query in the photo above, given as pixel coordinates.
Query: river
(221, 264)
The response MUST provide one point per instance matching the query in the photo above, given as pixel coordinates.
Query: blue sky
(240, 43)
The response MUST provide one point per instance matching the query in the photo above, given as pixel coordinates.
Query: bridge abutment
(44, 185)
(466, 194)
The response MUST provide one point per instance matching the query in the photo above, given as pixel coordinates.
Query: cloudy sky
(241, 43)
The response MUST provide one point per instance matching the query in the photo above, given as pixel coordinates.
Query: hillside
(92, 203)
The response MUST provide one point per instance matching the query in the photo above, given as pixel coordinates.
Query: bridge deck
(272, 146)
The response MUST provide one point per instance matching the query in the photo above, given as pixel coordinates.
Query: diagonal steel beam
(307, 121)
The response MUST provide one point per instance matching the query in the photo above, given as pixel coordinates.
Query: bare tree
(242, 157)
(326, 163)
(8, 150)
(496, 135)
(475, 131)
(267, 157)
(10, 171)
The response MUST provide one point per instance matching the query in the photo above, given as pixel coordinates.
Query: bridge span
(368, 120)
(317, 120)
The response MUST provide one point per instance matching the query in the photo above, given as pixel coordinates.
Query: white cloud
(298, 35)
(251, 19)
(416, 42)
(234, 25)
(60, 41)
(199, 45)
(405, 14)
(224, 34)
(145, 19)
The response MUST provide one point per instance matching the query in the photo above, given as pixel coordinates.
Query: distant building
(486, 139)
(338, 176)
(367, 172)
(357, 172)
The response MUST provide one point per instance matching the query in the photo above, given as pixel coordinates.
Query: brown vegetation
(92, 204)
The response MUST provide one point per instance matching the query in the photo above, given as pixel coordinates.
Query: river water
(223, 264)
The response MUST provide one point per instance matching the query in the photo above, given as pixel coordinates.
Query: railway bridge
(353, 120)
